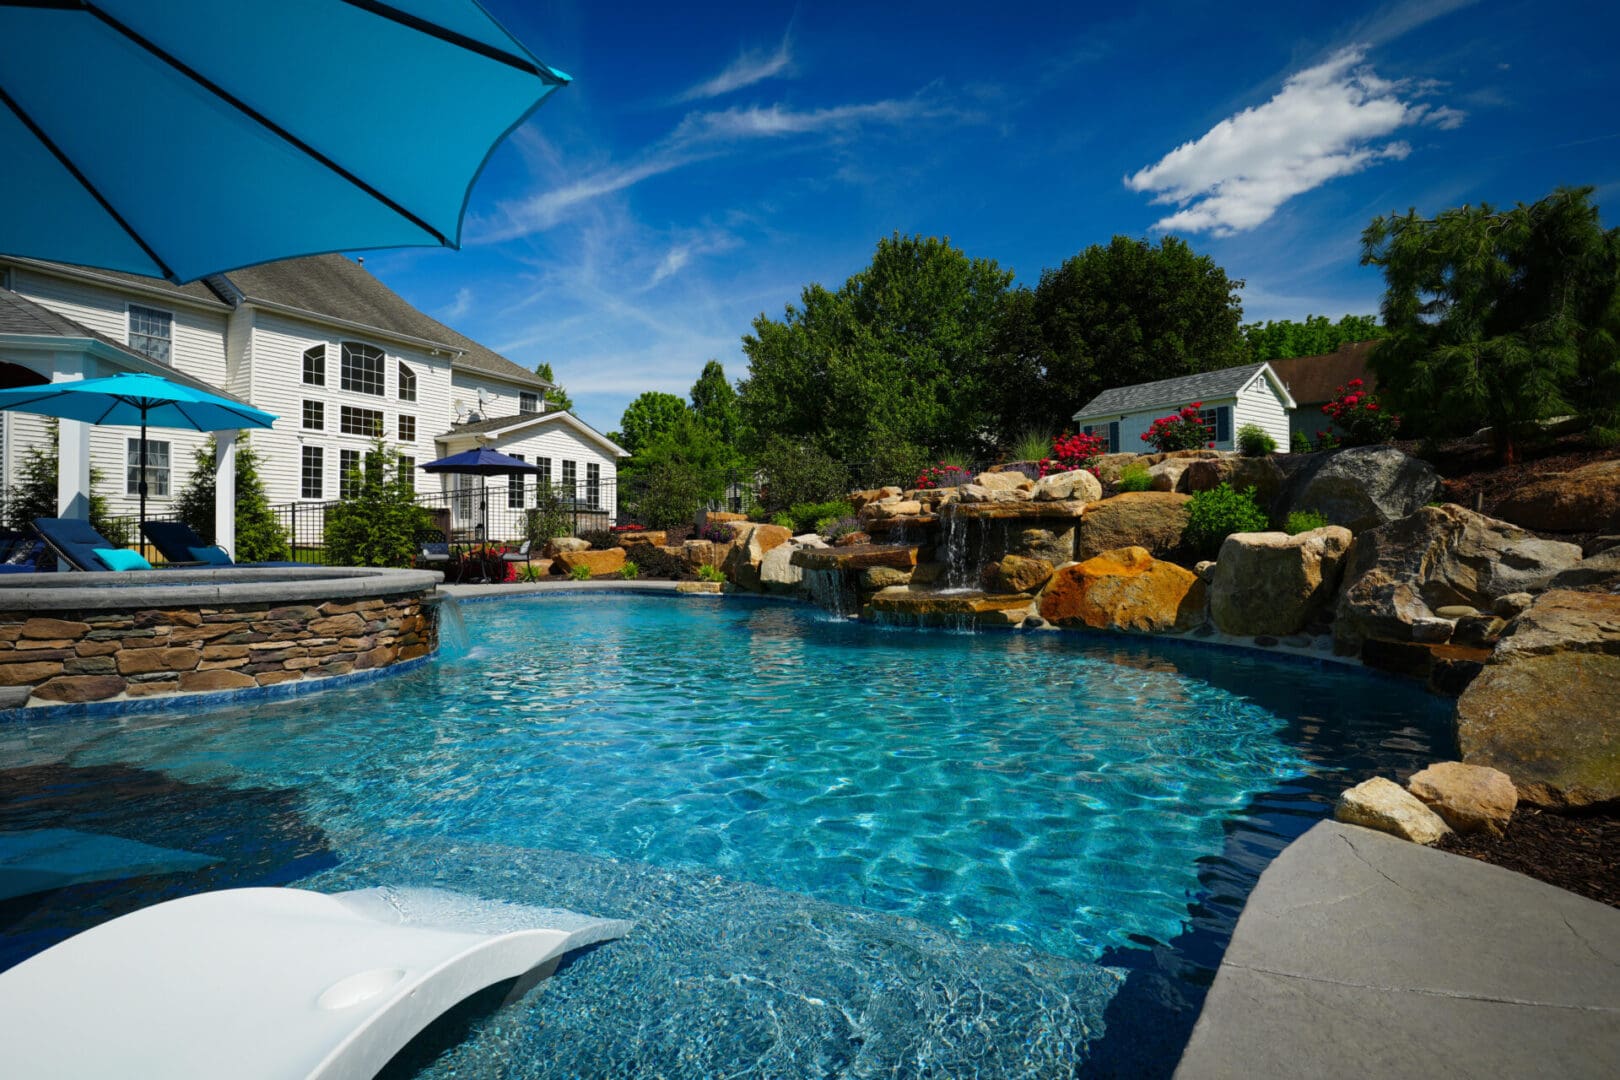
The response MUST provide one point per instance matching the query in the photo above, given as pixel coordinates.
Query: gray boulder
(1361, 488)
(1272, 583)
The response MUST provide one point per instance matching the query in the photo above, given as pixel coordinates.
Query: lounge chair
(180, 545)
(77, 545)
(19, 554)
(270, 982)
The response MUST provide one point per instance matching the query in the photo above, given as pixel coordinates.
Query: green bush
(799, 472)
(379, 524)
(1304, 521)
(1214, 515)
(548, 518)
(259, 537)
(629, 571)
(1032, 445)
(1135, 477)
(813, 517)
(1298, 443)
(785, 520)
(580, 573)
(1255, 441)
(711, 573)
(531, 572)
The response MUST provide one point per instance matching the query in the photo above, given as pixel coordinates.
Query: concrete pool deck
(1359, 954)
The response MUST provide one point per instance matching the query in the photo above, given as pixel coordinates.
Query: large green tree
(888, 367)
(679, 470)
(1317, 335)
(556, 397)
(1500, 317)
(714, 401)
(1131, 312)
(647, 417)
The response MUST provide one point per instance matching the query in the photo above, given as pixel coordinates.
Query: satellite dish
(481, 399)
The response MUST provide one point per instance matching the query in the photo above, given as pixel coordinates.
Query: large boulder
(777, 574)
(1361, 488)
(1544, 708)
(1015, 574)
(1126, 589)
(696, 553)
(1585, 500)
(1471, 798)
(1168, 474)
(1386, 806)
(1600, 572)
(1399, 573)
(753, 541)
(1273, 583)
(1055, 544)
(1004, 481)
(610, 561)
(1077, 484)
(1264, 474)
(560, 544)
(1153, 520)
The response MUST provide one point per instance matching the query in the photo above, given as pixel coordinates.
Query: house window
(407, 469)
(569, 480)
(407, 428)
(311, 472)
(1108, 431)
(348, 473)
(528, 402)
(544, 475)
(593, 486)
(517, 488)
(157, 468)
(407, 384)
(151, 332)
(362, 368)
(315, 366)
(314, 415)
(1219, 421)
(356, 421)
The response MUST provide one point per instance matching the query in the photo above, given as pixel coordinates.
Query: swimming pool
(850, 850)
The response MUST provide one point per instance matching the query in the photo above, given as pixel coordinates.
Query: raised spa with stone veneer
(78, 638)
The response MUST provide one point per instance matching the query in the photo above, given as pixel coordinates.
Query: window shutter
(1223, 424)
(1113, 436)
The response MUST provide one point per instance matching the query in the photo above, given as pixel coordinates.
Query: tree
(678, 471)
(1500, 317)
(259, 538)
(648, 417)
(1131, 312)
(35, 493)
(714, 402)
(556, 397)
(380, 522)
(886, 367)
(1316, 336)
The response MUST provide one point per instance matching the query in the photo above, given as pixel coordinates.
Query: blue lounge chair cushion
(213, 556)
(122, 559)
(74, 541)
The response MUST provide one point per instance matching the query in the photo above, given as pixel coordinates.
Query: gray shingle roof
(491, 423)
(1165, 393)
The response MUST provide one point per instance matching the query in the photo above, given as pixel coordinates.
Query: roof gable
(1181, 390)
(498, 426)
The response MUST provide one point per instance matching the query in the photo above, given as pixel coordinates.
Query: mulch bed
(1578, 852)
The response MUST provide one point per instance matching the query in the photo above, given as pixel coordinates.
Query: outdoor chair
(180, 545)
(19, 554)
(77, 545)
(433, 553)
(522, 554)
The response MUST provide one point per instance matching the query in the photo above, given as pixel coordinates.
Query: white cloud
(765, 122)
(749, 68)
(460, 305)
(1328, 121)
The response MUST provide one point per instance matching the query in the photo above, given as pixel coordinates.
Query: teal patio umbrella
(131, 399)
(181, 138)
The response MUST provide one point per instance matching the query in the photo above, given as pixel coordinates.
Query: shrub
(1070, 452)
(808, 517)
(1214, 515)
(1032, 445)
(1361, 415)
(599, 539)
(718, 532)
(1298, 443)
(258, 536)
(1300, 521)
(799, 472)
(711, 573)
(785, 520)
(530, 572)
(1182, 430)
(1255, 441)
(655, 562)
(548, 518)
(1326, 440)
(840, 527)
(630, 570)
(1135, 477)
(379, 523)
(580, 573)
(943, 475)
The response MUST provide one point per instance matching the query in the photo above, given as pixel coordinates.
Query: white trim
(530, 420)
(1276, 384)
(119, 356)
(1209, 402)
(73, 273)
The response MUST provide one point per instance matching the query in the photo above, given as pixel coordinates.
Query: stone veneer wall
(65, 657)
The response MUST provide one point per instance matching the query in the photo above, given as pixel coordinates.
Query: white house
(1229, 399)
(338, 357)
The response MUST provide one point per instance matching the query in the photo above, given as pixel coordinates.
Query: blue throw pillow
(122, 559)
(212, 555)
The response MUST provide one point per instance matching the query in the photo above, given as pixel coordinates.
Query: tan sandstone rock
(1015, 573)
(1471, 798)
(1077, 484)
(560, 544)
(1153, 520)
(1386, 806)
(1272, 583)
(1124, 589)
(753, 541)
(610, 561)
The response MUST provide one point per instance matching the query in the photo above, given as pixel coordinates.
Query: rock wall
(70, 657)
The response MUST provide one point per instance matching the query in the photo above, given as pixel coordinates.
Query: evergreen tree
(714, 402)
(379, 523)
(259, 538)
(556, 397)
(34, 495)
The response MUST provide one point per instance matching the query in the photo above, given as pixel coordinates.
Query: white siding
(277, 373)
(500, 398)
(1132, 426)
(1259, 404)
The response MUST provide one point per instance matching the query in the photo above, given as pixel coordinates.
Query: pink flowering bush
(1182, 430)
(943, 476)
(1362, 416)
(1071, 452)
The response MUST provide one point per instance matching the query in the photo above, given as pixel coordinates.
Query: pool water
(850, 850)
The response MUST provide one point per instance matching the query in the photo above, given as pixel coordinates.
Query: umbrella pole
(143, 482)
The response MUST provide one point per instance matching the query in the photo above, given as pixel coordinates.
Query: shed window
(362, 369)
(1219, 421)
(517, 488)
(593, 486)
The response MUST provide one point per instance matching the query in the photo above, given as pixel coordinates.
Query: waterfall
(956, 549)
(454, 641)
(828, 591)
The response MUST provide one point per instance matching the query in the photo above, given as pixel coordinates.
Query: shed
(1229, 399)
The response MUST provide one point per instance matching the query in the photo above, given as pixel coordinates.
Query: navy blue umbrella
(189, 137)
(481, 462)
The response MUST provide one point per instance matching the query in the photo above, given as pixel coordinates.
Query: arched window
(407, 383)
(315, 366)
(362, 369)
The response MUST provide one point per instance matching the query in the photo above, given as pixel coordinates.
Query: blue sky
(711, 160)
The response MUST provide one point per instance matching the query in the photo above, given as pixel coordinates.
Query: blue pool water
(850, 850)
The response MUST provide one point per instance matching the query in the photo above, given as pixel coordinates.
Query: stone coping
(1358, 954)
(206, 588)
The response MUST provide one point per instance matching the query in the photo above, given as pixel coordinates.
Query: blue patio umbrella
(189, 137)
(131, 399)
(481, 462)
